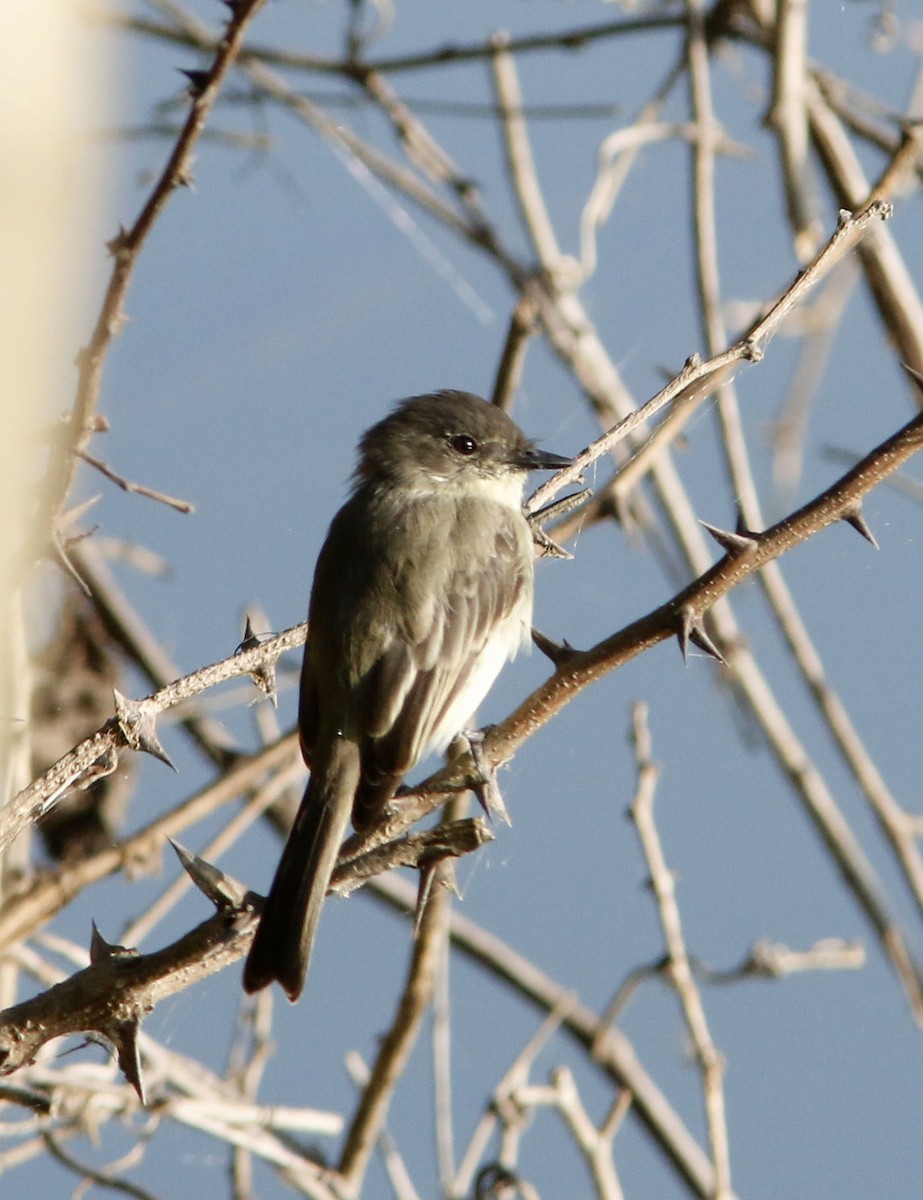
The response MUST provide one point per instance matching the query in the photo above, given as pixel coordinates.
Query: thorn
(264, 676)
(265, 680)
(73, 515)
(60, 546)
(120, 244)
(103, 951)
(704, 642)
(431, 874)
(137, 722)
(100, 949)
(732, 543)
(250, 640)
(682, 634)
(854, 517)
(223, 891)
(692, 630)
(107, 762)
(487, 790)
(915, 376)
(198, 81)
(558, 652)
(449, 876)
(125, 1041)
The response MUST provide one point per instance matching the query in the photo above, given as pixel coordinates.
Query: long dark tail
(282, 947)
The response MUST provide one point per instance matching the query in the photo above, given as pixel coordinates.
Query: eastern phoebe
(423, 589)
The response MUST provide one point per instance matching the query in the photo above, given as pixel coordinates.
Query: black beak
(542, 460)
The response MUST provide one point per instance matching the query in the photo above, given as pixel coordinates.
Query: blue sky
(279, 307)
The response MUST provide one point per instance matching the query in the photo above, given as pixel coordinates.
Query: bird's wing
(435, 671)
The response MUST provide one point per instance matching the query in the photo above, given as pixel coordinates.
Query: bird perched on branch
(423, 590)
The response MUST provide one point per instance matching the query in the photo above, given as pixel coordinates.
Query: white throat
(505, 489)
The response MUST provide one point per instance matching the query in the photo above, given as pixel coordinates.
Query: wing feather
(423, 691)
(407, 649)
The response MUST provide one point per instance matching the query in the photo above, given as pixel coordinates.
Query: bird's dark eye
(464, 443)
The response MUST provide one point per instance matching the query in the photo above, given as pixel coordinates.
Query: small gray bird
(423, 589)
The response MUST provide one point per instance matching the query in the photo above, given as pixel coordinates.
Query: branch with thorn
(109, 999)
(682, 617)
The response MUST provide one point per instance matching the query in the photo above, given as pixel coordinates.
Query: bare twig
(519, 156)
(680, 971)
(117, 989)
(769, 960)
(129, 630)
(139, 489)
(595, 1144)
(788, 430)
(104, 1179)
(397, 1044)
(261, 799)
(521, 329)
(612, 1052)
(788, 117)
(398, 1175)
(512, 1080)
(442, 1073)
(52, 890)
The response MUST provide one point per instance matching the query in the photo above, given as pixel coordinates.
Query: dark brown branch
(509, 370)
(567, 39)
(580, 669)
(111, 996)
(120, 987)
(449, 839)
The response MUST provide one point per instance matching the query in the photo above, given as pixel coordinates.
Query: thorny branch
(134, 729)
(816, 119)
(204, 951)
(120, 986)
(681, 617)
(125, 249)
(101, 749)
